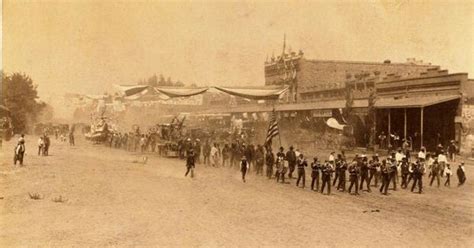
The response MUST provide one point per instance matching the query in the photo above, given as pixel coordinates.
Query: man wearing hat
(364, 173)
(374, 169)
(244, 166)
(405, 171)
(269, 161)
(354, 177)
(315, 168)
(291, 158)
(301, 163)
(435, 171)
(190, 163)
(461, 174)
(342, 176)
(326, 177)
(19, 151)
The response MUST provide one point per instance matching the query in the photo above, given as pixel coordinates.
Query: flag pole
(279, 135)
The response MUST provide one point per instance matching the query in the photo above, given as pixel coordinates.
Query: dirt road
(110, 200)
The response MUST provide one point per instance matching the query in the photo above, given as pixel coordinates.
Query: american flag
(272, 129)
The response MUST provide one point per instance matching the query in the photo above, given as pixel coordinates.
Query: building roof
(413, 102)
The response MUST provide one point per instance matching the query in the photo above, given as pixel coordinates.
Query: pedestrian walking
(190, 163)
(374, 169)
(418, 171)
(364, 173)
(315, 169)
(448, 173)
(326, 177)
(435, 172)
(291, 158)
(354, 177)
(341, 186)
(19, 152)
(269, 161)
(301, 164)
(244, 166)
(385, 173)
(461, 174)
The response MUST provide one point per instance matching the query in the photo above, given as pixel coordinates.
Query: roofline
(420, 77)
(368, 63)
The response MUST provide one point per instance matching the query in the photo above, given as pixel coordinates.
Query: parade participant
(418, 171)
(197, 151)
(405, 171)
(207, 152)
(315, 168)
(214, 156)
(461, 174)
(244, 166)
(19, 152)
(442, 159)
(394, 173)
(40, 145)
(301, 163)
(47, 143)
(190, 163)
(279, 168)
(142, 143)
(435, 171)
(226, 154)
(280, 165)
(342, 176)
(269, 160)
(448, 173)
(364, 173)
(326, 177)
(385, 171)
(374, 169)
(291, 158)
(259, 159)
(337, 169)
(354, 177)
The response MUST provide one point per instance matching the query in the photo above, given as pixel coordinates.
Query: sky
(87, 46)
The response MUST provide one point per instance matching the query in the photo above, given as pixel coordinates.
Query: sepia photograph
(223, 123)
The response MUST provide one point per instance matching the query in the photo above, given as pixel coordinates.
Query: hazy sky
(86, 46)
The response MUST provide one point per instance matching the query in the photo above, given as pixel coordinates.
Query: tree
(169, 82)
(162, 80)
(20, 96)
(153, 81)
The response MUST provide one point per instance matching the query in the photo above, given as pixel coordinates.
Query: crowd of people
(398, 169)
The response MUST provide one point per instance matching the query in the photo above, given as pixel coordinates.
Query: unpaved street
(112, 200)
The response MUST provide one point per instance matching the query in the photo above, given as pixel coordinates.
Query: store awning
(261, 93)
(129, 90)
(181, 92)
(413, 102)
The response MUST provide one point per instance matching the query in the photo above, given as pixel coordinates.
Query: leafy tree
(162, 80)
(169, 82)
(20, 96)
(152, 81)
